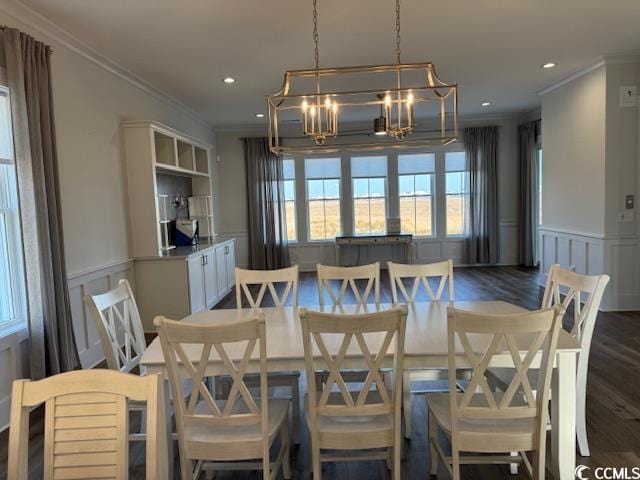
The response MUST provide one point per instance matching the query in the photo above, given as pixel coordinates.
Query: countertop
(186, 252)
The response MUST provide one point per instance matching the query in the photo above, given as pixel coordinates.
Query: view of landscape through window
(416, 182)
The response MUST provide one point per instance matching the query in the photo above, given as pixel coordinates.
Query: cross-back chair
(86, 424)
(267, 279)
(481, 420)
(119, 327)
(349, 276)
(230, 433)
(362, 419)
(117, 320)
(567, 289)
(419, 275)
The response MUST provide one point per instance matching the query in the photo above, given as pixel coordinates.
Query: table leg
(563, 416)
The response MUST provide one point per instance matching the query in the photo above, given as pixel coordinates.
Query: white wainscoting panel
(425, 250)
(618, 257)
(92, 282)
(14, 362)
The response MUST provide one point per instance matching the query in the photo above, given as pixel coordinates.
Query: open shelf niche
(153, 151)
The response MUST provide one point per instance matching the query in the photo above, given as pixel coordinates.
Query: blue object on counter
(186, 232)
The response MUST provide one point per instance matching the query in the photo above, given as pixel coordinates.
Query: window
(456, 191)
(369, 176)
(415, 187)
(323, 197)
(12, 296)
(289, 175)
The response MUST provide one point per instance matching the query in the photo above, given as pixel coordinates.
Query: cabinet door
(196, 284)
(221, 271)
(210, 284)
(231, 265)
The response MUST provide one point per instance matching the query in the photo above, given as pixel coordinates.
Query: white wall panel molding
(14, 359)
(617, 256)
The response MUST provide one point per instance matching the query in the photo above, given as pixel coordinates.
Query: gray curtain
(52, 346)
(528, 193)
(268, 247)
(482, 240)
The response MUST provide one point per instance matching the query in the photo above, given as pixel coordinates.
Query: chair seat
(207, 442)
(373, 431)
(480, 435)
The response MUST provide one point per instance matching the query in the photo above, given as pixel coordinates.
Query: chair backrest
(420, 274)
(522, 336)
(188, 348)
(86, 426)
(332, 335)
(349, 276)
(266, 279)
(575, 287)
(119, 327)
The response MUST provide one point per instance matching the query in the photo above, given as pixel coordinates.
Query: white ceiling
(492, 48)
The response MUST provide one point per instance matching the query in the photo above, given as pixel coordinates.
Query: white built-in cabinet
(172, 281)
(179, 285)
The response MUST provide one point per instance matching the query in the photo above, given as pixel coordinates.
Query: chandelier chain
(397, 31)
(315, 33)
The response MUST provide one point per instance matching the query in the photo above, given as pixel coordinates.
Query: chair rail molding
(592, 254)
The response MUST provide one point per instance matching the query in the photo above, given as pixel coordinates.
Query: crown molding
(57, 35)
(572, 77)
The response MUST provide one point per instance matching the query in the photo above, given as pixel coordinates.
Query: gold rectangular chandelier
(397, 95)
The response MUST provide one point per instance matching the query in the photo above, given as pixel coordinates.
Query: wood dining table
(425, 347)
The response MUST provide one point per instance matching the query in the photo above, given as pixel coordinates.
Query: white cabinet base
(178, 286)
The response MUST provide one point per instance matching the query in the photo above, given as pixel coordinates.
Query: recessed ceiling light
(486, 104)
(228, 80)
(549, 65)
(259, 115)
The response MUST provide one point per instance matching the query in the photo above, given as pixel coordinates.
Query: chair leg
(406, 403)
(284, 443)
(455, 464)
(315, 460)
(433, 438)
(397, 461)
(539, 458)
(513, 467)
(581, 423)
(266, 466)
(186, 468)
(295, 411)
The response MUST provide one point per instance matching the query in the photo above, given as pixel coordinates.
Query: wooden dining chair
(268, 279)
(480, 420)
(584, 292)
(348, 278)
(230, 433)
(117, 320)
(86, 424)
(419, 275)
(367, 418)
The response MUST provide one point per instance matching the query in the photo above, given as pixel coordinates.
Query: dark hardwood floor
(613, 391)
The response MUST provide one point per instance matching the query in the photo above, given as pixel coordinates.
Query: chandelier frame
(434, 89)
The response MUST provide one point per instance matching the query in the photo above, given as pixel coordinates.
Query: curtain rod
(4, 27)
